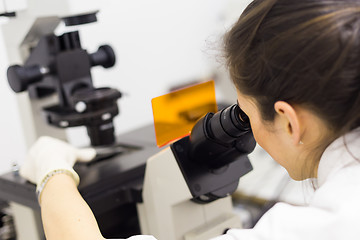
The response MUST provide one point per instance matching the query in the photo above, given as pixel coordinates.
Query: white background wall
(159, 44)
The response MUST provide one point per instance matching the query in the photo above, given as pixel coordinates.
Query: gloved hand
(49, 155)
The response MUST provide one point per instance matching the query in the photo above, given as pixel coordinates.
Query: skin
(290, 138)
(65, 214)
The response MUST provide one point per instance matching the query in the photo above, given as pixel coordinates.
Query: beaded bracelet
(45, 180)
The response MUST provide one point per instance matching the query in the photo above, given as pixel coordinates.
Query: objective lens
(101, 135)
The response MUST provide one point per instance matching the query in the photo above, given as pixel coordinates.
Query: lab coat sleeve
(139, 237)
(321, 220)
(287, 222)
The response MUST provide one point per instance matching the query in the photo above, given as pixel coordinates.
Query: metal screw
(64, 124)
(80, 107)
(204, 198)
(106, 116)
(44, 70)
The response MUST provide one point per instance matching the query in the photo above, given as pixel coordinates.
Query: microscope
(188, 186)
(180, 193)
(51, 75)
(58, 64)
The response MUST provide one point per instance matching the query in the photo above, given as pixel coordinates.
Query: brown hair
(304, 52)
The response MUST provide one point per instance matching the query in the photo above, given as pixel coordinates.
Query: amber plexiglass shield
(176, 113)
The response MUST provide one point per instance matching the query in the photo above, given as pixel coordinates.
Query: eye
(242, 115)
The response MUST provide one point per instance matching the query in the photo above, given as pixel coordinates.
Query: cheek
(276, 148)
(261, 138)
(268, 141)
(260, 133)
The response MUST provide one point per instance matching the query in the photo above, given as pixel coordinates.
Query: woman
(296, 67)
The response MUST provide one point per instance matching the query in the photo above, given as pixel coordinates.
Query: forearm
(65, 214)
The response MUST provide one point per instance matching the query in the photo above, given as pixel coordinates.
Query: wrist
(43, 183)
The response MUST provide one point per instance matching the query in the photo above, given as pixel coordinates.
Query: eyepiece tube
(214, 137)
(228, 124)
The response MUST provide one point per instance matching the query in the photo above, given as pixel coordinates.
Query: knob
(104, 57)
(20, 77)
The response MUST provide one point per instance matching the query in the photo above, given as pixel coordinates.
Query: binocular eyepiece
(218, 139)
(214, 157)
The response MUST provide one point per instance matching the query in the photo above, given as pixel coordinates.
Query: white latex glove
(48, 155)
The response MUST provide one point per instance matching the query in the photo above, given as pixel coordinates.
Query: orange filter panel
(176, 113)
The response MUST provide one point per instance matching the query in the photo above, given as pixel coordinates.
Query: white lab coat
(332, 213)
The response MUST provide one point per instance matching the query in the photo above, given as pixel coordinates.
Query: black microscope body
(59, 64)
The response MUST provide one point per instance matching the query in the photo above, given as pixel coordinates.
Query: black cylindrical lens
(214, 138)
(229, 124)
(101, 135)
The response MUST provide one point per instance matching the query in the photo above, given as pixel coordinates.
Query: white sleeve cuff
(139, 237)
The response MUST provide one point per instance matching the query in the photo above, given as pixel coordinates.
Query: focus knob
(21, 77)
(104, 57)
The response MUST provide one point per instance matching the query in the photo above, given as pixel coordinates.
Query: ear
(289, 120)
